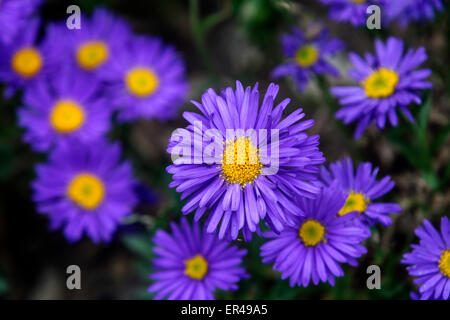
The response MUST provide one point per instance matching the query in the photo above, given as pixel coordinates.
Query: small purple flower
(258, 165)
(84, 188)
(429, 261)
(66, 106)
(191, 264)
(388, 81)
(307, 56)
(14, 17)
(313, 248)
(147, 80)
(362, 188)
(353, 11)
(407, 11)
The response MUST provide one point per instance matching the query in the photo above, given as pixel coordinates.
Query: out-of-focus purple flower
(258, 164)
(406, 11)
(147, 80)
(313, 248)
(429, 261)
(191, 264)
(353, 11)
(14, 18)
(387, 81)
(362, 188)
(307, 56)
(64, 107)
(84, 188)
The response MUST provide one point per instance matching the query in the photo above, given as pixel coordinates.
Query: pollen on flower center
(196, 267)
(307, 55)
(86, 190)
(142, 82)
(67, 116)
(311, 232)
(355, 202)
(444, 263)
(381, 83)
(241, 163)
(92, 54)
(27, 62)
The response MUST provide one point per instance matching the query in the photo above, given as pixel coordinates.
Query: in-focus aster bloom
(307, 56)
(429, 261)
(14, 16)
(191, 264)
(353, 11)
(362, 188)
(84, 188)
(64, 107)
(313, 248)
(259, 163)
(388, 81)
(147, 80)
(407, 11)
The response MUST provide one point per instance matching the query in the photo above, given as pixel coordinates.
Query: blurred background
(222, 41)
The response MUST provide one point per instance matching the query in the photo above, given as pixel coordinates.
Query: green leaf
(139, 244)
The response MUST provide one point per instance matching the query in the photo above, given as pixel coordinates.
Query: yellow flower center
(86, 190)
(92, 54)
(142, 82)
(311, 232)
(444, 263)
(240, 163)
(358, 1)
(66, 116)
(27, 62)
(355, 202)
(307, 55)
(381, 83)
(196, 267)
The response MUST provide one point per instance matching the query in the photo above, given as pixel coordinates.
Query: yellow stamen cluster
(86, 190)
(196, 267)
(92, 54)
(311, 232)
(141, 82)
(355, 202)
(381, 83)
(358, 1)
(444, 263)
(66, 116)
(240, 162)
(26, 62)
(307, 55)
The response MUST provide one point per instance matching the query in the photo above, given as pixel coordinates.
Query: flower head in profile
(429, 261)
(363, 189)
(314, 247)
(352, 11)
(67, 106)
(14, 17)
(407, 11)
(85, 189)
(191, 264)
(147, 80)
(248, 164)
(387, 82)
(307, 56)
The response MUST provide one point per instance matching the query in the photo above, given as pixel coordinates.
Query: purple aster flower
(65, 106)
(388, 81)
(362, 188)
(247, 163)
(353, 11)
(406, 11)
(313, 248)
(84, 188)
(24, 60)
(191, 264)
(307, 56)
(147, 80)
(14, 16)
(429, 261)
